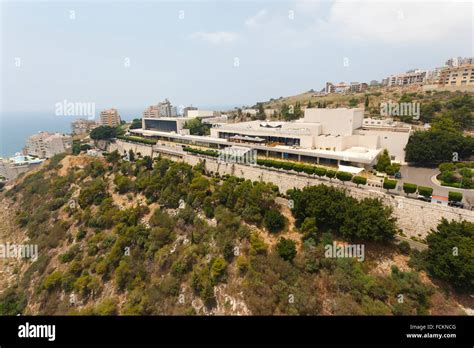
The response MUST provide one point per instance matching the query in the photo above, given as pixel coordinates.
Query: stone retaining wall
(415, 218)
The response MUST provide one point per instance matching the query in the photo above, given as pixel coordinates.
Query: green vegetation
(172, 229)
(441, 143)
(409, 188)
(389, 184)
(425, 191)
(455, 196)
(192, 150)
(344, 176)
(450, 255)
(136, 139)
(359, 180)
(458, 174)
(103, 133)
(286, 248)
(197, 127)
(334, 210)
(274, 221)
(136, 123)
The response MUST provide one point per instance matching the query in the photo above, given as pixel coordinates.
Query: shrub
(274, 221)
(319, 171)
(286, 248)
(404, 247)
(455, 196)
(450, 254)
(409, 188)
(425, 191)
(389, 184)
(218, 269)
(359, 180)
(330, 174)
(344, 176)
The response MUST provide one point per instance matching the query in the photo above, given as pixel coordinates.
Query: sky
(130, 55)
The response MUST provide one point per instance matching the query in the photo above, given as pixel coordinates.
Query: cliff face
(157, 237)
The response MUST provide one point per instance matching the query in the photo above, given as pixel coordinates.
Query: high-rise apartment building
(110, 118)
(46, 145)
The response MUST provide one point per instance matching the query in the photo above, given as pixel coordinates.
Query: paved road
(422, 177)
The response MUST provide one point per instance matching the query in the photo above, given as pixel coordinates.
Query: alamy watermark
(335, 250)
(67, 108)
(391, 108)
(238, 155)
(19, 251)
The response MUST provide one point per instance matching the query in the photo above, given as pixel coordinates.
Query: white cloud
(216, 37)
(253, 21)
(400, 21)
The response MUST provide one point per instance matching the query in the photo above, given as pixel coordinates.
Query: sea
(16, 127)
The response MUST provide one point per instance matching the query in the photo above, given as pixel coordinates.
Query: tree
(131, 155)
(382, 225)
(103, 133)
(359, 180)
(383, 161)
(330, 174)
(197, 127)
(389, 184)
(353, 102)
(425, 191)
(123, 184)
(260, 112)
(366, 103)
(113, 157)
(274, 221)
(409, 188)
(309, 228)
(218, 269)
(286, 248)
(344, 176)
(320, 171)
(455, 196)
(450, 254)
(136, 123)
(439, 144)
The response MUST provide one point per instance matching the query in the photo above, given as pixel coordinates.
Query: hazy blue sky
(283, 48)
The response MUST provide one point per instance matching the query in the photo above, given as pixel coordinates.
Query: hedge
(330, 173)
(211, 153)
(409, 188)
(137, 139)
(455, 196)
(389, 184)
(298, 167)
(359, 180)
(425, 191)
(344, 176)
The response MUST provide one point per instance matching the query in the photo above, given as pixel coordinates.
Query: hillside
(161, 237)
(431, 102)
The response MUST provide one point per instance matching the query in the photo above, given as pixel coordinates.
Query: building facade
(82, 126)
(46, 145)
(110, 118)
(11, 167)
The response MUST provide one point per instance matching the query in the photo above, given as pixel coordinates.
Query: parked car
(398, 175)
(456, 204)
(423, 198)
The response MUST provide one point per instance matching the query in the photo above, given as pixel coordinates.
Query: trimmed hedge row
(137, 139)
(192, 150)
(309, 169)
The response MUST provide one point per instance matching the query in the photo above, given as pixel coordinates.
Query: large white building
(46, 145)
(326, 136)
